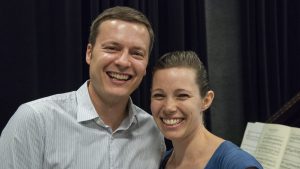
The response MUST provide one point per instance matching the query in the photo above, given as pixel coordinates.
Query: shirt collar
(132, 112)
(86, 110)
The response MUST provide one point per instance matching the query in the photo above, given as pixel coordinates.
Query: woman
(179, 96)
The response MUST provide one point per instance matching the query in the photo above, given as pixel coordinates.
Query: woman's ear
(207, 100)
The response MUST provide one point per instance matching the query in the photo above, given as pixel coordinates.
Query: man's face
(118, 59)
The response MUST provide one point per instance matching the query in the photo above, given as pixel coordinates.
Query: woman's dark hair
(186, 59)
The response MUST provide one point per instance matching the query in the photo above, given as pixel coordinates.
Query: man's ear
(207, 100)
(88, 53)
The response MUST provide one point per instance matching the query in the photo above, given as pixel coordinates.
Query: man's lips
(119, 76)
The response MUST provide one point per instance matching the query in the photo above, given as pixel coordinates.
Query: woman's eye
(183, 96)
(158, 96)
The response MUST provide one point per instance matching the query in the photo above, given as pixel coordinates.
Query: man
(97, 126)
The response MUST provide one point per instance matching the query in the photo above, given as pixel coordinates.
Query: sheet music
(271, 145)
(251, 137)
(291, 157)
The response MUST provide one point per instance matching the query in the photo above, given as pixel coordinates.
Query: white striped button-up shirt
(65, 132)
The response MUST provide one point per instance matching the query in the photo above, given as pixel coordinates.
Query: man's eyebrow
(139, 48)
(110, 43)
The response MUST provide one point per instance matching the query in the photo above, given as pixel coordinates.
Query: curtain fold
(270, 39)
(40, 51)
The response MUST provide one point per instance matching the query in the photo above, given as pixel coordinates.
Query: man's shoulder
(144, 118)
(61, 97)
(140, 111)
(49, 105)
(141, 114)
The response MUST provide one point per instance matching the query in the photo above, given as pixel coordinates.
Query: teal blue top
(227, 156)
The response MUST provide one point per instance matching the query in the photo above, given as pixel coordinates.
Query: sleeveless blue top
(227, 156)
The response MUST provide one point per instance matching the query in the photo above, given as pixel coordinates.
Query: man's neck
(111, 115)
(112, 112)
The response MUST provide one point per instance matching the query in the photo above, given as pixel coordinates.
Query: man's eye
(110, 48)
(137, 54)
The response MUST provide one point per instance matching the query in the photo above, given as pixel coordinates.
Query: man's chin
(119, 94)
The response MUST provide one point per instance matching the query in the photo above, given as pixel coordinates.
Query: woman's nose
(170, 106)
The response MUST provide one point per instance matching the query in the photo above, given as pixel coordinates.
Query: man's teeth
(171, 121)
(119, 76)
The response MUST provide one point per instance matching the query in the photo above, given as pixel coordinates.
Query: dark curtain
(254, 42)
(253, 61)
(271, 52)
(43, 44)
(40, 50)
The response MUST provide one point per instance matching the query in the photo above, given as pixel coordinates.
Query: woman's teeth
(171, 121)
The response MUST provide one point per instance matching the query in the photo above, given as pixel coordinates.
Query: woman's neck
(195, 150)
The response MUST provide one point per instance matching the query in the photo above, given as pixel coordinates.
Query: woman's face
(176, 103)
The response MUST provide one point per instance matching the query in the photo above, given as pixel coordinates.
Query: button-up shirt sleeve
(21, 145)
(61, 131)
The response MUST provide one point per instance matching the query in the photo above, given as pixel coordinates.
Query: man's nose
(123, 59)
